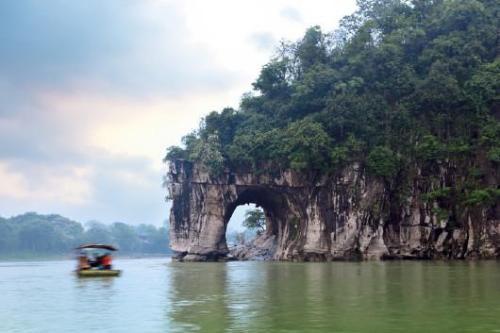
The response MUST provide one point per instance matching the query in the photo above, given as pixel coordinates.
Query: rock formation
(347, 215)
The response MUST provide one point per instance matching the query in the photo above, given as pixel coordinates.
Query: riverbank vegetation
(33, 235)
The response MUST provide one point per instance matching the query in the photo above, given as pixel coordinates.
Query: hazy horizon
(234, 224)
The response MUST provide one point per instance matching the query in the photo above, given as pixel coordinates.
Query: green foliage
(400, 83)
(382, 162)
(484, 86)
(255, 220)
(252, 148)
(430, 149)
(34, 234)
(208, 153)
(273, 81)
(458, 148)
(174, 153)
(125, 236)
(339, 156)
(490, 134)
(441, 214)
(490, 139)
(494, 154)
(312, 49)
(483, 197)
(307, 145)
(441, 193)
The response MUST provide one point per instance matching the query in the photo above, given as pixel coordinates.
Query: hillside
(403, 100)
(400, 83)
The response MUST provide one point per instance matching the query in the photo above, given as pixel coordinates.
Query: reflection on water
(337, 297)
(94, 285)
(155, 295)
(198, 297)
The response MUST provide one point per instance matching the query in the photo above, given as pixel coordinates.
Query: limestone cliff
(347, 215)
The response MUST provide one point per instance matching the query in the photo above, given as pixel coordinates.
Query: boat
(94, 260)
(98, 272)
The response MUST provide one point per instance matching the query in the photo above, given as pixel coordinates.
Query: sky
(92, 92)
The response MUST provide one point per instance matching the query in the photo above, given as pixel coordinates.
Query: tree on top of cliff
(402, 82)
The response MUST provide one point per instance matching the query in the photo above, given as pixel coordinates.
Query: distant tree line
(35, 234)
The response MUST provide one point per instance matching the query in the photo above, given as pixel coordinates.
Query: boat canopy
(97, 246)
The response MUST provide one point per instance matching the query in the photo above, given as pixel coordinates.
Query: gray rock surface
(263, 247)
(311, 218)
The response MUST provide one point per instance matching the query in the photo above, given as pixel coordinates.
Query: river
(156, 295)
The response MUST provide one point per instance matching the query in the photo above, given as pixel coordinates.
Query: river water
(156, 295)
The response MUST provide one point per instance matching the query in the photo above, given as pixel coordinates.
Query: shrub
(382, 162)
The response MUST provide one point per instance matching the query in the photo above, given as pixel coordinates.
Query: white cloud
(264, 41)
(292, 14)
(93, 92)
(42, 184)
(112, 46)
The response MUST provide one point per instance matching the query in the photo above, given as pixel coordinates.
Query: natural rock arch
(313, 217)
(299, 208)
(203, 205)
(271, 201)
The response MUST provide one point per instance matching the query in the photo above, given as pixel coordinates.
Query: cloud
(126, 188)
(291, 14)
(263, 41)
(120, 142)
(105, 186)
(94, 91)
(67, 185)
(119, 46)
(81, 127)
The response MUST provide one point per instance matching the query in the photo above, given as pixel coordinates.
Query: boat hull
(98, 273)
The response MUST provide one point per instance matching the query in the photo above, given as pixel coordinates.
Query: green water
(155, 295)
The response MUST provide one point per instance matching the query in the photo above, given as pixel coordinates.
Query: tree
(311, 49)
(35, 234)
(174, 153)
(382, 162)
(307, 145)
(40, 237)
(223, 124)
(273, 81)
(125, 237)
(430, 149)
(401, 86)
(97, 232)
(7, 237)
(255, 220)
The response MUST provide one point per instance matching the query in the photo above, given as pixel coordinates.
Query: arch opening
(267, 204)
(237, 233)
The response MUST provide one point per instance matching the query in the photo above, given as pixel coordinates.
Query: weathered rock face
(312, 218)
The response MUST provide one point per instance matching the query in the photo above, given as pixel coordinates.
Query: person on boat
(95, 257)
(83, 262)
(106, 261)
(94, 260)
